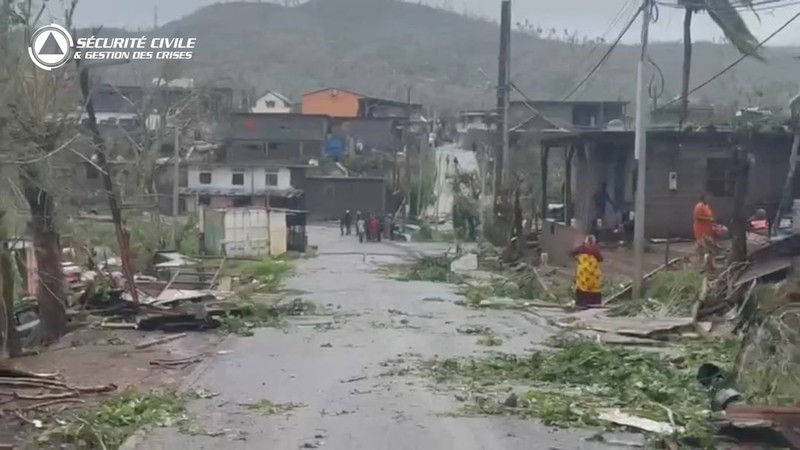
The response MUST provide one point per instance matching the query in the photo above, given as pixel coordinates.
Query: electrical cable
(599, 41)
(605, 56)
(653, 92)
(733, 64)
(763, 5)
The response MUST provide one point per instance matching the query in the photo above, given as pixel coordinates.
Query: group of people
(368, 227)
(707, 232)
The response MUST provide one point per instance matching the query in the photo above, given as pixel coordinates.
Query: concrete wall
(557, 240)
(255, 178)
(380, 134)
(278, 127)
(668, 213)
(327, 198)
(331, 102)
(246, 152)
(570, 113)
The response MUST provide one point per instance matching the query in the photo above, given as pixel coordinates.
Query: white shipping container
(246, 232)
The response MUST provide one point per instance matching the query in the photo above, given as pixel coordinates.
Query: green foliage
(434, 269)
(429, 171)
(249, 316)
(117, 418)
(427, 233)
(489, 339)
(267, 269)
(569, 386)
(269, 408)
(670, 293)
(466, 191)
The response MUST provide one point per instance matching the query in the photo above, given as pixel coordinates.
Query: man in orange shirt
(704, 233)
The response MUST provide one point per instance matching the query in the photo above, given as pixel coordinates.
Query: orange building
(331, 102)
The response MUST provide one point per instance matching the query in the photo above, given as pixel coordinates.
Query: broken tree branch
(161, 340)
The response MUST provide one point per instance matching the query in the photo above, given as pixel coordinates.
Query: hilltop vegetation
(380, 47)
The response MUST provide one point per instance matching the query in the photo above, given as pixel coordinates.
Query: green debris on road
(270, 408)
(568, 387)
(117, 418)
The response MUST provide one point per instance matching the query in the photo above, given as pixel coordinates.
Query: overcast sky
(589, 17)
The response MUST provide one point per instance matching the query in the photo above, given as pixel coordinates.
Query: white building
(272, 103)
(224, 186)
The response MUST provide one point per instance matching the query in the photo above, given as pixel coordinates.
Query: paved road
(310, 363)
(466, 162)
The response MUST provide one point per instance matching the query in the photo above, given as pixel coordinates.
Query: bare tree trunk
(8, 327)
(739, 223)
(687, 64)
(12, 347)
(123, 237)
(50, 295)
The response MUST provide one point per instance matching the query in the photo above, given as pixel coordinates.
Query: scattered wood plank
(13, 372)
(118, 326)
(629, 287)
(158, 341)
(543, 285)
(178, 363)
(51, 403)
(33, 382)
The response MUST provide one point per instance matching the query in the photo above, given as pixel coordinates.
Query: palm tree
(726, 15)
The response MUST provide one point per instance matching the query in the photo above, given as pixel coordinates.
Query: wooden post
(568, 186)
(543, 206)
(739, 223)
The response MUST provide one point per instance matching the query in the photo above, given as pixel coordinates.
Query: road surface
(466, 163)
(337, 366)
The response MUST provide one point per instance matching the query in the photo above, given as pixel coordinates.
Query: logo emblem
(51, 47)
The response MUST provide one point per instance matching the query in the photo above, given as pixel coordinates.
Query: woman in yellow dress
(588, 278)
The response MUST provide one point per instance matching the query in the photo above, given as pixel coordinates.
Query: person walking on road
(588, 278)
(704, 232)
(360, 225)
(372, 227)
(346, 223)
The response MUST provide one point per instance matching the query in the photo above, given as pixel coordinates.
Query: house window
(272, 146)
(272, 179)
(270, 104)
(238, 202)
(91, 171)
(238, 179)
(205, 177)
(720, 179)
(204, 200)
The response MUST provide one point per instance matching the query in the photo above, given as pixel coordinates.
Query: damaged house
(681, 165)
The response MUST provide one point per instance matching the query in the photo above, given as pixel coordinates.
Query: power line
(605, 56)
(763, 5)
(733, 64)
(598, 41)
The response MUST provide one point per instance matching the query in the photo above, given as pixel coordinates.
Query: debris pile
(587, 384)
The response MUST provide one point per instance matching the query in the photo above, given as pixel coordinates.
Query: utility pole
(420, 163)
(176, 185)
(406, 149)
(506, 55)
(502, 159)
(640, 149)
